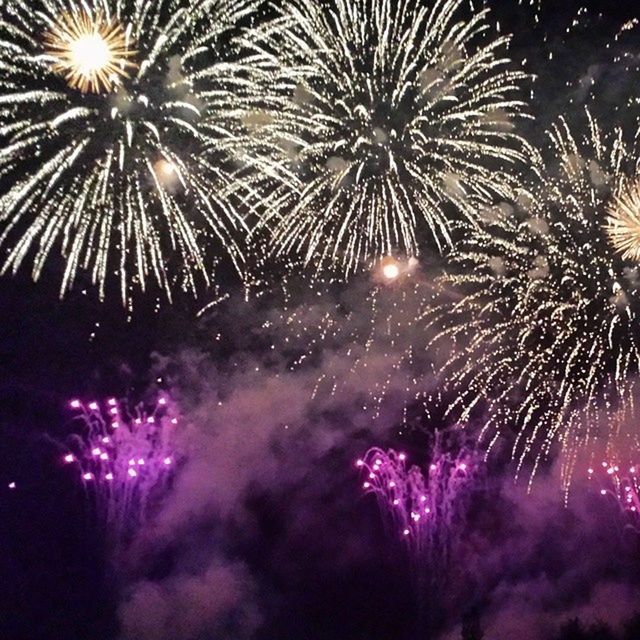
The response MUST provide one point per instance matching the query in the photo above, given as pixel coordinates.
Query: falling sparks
(623, 223)
(397, 117)
(365, 333)
(621, 482)
(145, 183)
(544, 317)
(421, 508)
(125, 460)
(92, 53)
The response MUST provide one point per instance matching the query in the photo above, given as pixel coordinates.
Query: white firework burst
(395, 119)
(123, 148)
(92, 53)
(623, 223)
(544, 325)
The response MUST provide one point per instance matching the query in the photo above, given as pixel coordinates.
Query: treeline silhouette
(573, 629)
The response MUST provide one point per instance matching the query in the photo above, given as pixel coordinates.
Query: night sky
(265, 532)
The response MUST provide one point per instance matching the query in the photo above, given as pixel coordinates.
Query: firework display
(408, 223)
(395, 119)
(124, 459)
(123, 148)
(622, 483)
(546, 325)
(421, 507)
(623, 223)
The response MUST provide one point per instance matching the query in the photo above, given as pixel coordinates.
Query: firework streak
(540, 329)
(124, 145)
(124, 460)
(394, 119)
(620, 482)
(421, 508)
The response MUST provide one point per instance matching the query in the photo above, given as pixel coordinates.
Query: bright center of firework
(623, 222)
(166, 172)
(89, 54)
(391, 271)
(167, 168)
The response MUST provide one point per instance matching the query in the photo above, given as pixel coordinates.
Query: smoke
(276, 413)
(542, 563)
(216, 603)
(266, 532)
(530, 611)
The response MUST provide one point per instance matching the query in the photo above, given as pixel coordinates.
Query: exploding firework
(141, 177)
(93, 54)
(426, 511)
(622, 482)
(543, 326)
(623, 224)
(421, 508)
(396, 117)
(124, 460)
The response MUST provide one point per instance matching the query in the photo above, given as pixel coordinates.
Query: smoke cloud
(266, 532)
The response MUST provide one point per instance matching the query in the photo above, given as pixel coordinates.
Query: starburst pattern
(543, 323)
(148, 183)
(396, 119)
(93, 54)
(623, 223)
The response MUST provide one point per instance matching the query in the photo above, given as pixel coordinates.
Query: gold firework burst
(623, 221)
(92, 52)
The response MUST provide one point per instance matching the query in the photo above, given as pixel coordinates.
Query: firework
(422, 508)
(93, 54)
(543, 326)
(623, 223)
(124, 460)
(395, 119)
(622, 482)
(142, 177)
(358, 339)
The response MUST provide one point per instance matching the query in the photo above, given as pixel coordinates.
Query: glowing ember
(623, 487)
(391, 271)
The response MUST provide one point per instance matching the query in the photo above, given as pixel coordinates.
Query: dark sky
(267, 536)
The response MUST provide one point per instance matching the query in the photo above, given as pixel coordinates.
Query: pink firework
(621, 482)
(421, 507)
(124, 459)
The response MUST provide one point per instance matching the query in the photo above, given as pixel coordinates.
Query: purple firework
(125, 459)
(422, 507)
(621, 482)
